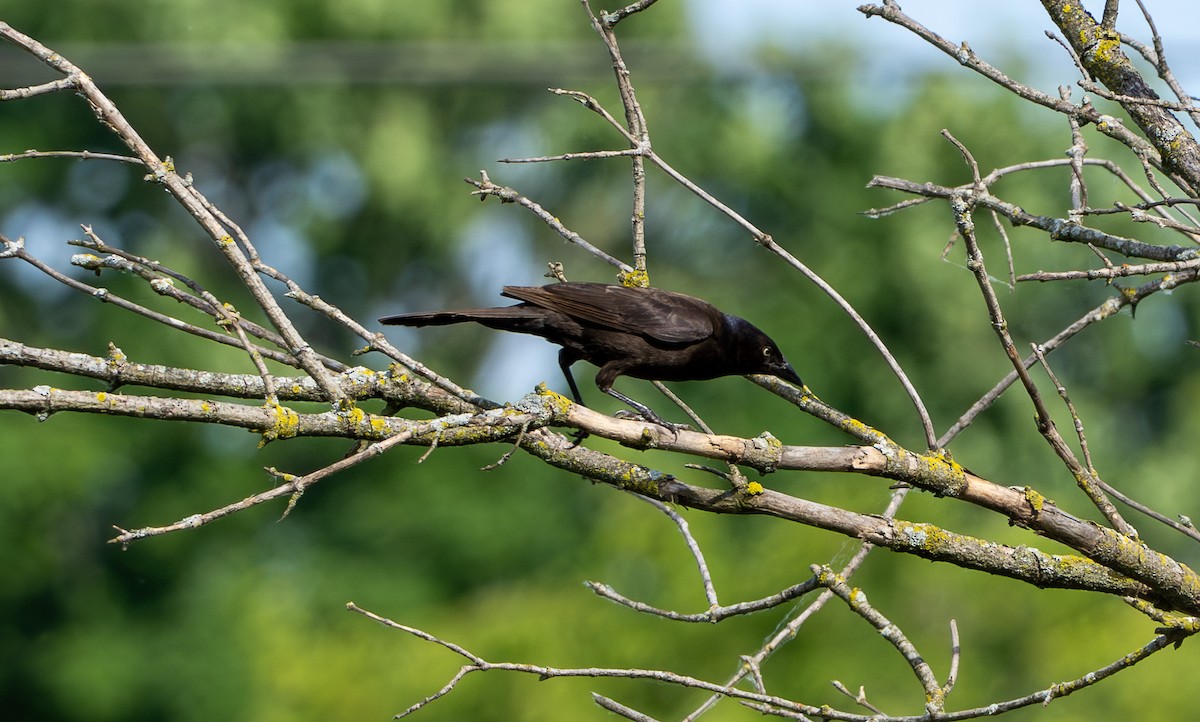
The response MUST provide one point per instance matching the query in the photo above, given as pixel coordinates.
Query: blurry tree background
(338, 134)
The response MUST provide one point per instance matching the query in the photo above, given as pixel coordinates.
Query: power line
(354, 63)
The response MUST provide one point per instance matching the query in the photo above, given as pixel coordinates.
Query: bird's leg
(565, 359)
(644, 411)
(604, 381)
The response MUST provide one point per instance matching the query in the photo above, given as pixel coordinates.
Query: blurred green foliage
(353, 185)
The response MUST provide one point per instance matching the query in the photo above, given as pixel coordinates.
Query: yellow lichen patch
(102, 397)
(923, 537)
(946, 456)
(561, 403)
(824, 575)
(634, 279)
(1035, 501)
(1107, 49)
(630, 480)
(754, 488)
(648, 439)
(858, 429)
(354, 416)
(1186, 625)
(397, 372)
(285, 425)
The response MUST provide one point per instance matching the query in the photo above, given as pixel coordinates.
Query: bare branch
(508, 195)
(635, 121)
(53, 86)
(1158, 58)
(1058, 229)
(935, 697)
(955, 657)
(79, 154)
(620, 709)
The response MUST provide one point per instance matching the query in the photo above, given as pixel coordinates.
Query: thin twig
(955, 657)
(612, 18)
(635, 121)
(1059, 229)
(80, 154)
(712, 615)
(856, 600)
(1105, 486)
(508, 454)
(487, 188)
(588, 155)
(860, 698)
(1110, 272)
(292, 487)
(53, 86)
(1062, 393)
(619, 709)
(1159, 60)
(710, 591)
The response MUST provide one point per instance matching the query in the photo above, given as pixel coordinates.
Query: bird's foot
(651, 417)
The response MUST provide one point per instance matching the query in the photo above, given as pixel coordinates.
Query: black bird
(646, 333)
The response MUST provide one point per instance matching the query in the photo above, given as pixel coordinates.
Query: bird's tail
(522, 319)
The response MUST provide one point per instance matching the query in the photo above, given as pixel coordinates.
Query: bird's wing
(651, 312)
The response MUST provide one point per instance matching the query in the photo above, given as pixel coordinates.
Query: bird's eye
(767, 351)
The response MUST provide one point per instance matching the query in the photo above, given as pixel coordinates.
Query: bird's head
(757, 353)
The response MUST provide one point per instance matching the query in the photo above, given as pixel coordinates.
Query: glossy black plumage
(646, 333)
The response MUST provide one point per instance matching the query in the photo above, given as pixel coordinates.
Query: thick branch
(1099, 49)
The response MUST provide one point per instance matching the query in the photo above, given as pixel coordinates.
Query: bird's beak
(787, 373)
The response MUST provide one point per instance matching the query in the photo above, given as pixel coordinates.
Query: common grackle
(646, 333)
